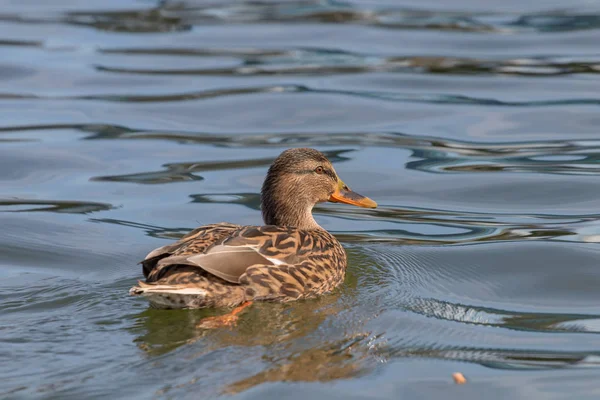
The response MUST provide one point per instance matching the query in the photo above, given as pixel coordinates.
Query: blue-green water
(474, 124)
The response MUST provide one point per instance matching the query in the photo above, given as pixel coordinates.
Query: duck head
(296, 181)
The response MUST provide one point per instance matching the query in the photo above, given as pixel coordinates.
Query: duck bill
(343, 194)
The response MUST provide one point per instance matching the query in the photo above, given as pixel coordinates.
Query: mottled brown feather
(228, 262)
(220, 258)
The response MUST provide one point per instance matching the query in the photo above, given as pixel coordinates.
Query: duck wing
(229, 257)
(196, 241)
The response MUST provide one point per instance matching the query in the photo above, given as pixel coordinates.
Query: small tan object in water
(459, 378)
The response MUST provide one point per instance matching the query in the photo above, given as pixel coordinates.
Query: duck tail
(169, 296)
(145, 288)
(177, 296)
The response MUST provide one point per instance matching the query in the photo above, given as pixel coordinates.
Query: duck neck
(290, 216)
(283, 208)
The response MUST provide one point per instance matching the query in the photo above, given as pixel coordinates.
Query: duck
(290, 257)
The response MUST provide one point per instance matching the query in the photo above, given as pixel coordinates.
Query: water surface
(474, 125)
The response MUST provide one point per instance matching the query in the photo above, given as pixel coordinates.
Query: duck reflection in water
(288, 337)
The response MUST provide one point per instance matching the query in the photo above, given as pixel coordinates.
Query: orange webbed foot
(223, 321)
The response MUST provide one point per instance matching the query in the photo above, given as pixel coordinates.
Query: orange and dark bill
(343, 194)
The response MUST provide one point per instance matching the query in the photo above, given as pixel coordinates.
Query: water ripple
(429, 147)
(569, 157)
(171, 16)
(179, 172)
(433, 154)
(304, 63)
(541, 322)
(437, 155)
(465, 227)
(410, 285)
(450, 99)
(57, 206)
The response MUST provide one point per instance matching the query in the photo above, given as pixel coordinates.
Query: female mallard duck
(290, 257)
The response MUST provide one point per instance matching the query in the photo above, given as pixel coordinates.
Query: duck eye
(319, 170)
